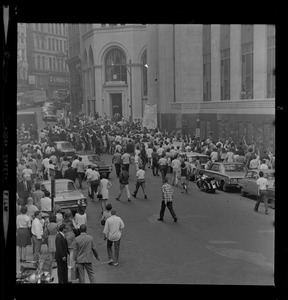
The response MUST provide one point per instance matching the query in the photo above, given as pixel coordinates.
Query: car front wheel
(243, 193)
(225, 187)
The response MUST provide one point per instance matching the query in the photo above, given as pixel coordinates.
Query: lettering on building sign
(62, 80)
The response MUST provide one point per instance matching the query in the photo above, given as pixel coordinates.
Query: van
(28, 118)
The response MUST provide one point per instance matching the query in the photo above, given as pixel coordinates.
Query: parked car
(227, 174)
(64, 147)
(67, 195)
(248, 184)
(98, 162)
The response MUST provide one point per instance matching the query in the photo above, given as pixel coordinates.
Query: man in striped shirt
(167, 200)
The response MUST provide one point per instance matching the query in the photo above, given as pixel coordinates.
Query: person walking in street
(112, 233)
(104, 186)
(52, 230)
(84, 251)
(163, 164)
(167, 200)
(80, 171)
(23, 224)
(61, 255)
(176, 166)
(155, 164)
(106, 214)
(126, 160)
(95, 180)
(124, 183)
(37, 234)
(116, 160)
(140, 174)
(262, 184)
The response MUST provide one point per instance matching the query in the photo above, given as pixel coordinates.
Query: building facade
(218, 79)
(114, 74)
(75, 68)
(46, 56)
(22, 64)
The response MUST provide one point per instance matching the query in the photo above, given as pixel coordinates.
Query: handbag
(99, 196)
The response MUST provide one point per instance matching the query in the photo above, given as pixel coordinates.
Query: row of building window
(51, 64)
(59, 29)
(246, 62)
(50, 44)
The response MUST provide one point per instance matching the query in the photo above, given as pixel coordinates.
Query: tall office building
(75, 68)
(22, 64)
(46, 56)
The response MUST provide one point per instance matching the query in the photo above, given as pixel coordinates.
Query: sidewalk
(29, 257)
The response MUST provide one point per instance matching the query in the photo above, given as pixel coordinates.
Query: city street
(218, 238)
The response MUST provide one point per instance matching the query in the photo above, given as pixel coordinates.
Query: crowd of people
(127, 143)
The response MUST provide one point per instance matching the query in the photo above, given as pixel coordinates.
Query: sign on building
(31, 79)
(150, 116)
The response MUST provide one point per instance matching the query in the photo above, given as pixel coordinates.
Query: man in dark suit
(61, 255)
(24, 189)
(70, 173)
(58, 174)
(83, 256)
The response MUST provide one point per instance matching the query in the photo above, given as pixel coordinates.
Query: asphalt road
(218, 238)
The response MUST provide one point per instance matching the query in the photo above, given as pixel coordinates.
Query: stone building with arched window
(113, 69)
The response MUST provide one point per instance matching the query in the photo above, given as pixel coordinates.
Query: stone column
(260, 62)
(235, 61)
(215, 63)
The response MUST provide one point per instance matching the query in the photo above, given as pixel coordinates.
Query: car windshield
(270, 176)
(93, 158)
(235, 168)
(66, 145)
(61, 187)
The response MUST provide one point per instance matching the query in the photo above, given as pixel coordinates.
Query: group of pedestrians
(128, 143)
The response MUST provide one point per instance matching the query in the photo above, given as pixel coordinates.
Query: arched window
(144, 74)
(115, 66)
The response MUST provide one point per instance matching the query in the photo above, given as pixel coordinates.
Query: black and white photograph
(145, 153)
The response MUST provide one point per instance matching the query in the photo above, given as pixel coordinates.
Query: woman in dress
(69, 234)
(52, 229)
(104, 185)
(23, 224)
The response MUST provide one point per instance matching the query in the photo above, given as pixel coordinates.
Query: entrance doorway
(116, 101)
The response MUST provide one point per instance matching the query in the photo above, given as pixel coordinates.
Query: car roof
(56, 180)
(193, 153)
(263, 170)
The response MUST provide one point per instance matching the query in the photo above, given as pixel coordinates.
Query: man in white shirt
(175, 164)
(37, 234)
(112, 232)
(263, 165)
(88, 178)
(149, 151)
(95, 180)
(46, 202)
(262, 184)
(27, 172)
(126, 160)
(140, 174)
